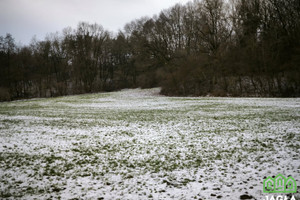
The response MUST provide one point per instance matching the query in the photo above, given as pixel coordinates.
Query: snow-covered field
(136, 144)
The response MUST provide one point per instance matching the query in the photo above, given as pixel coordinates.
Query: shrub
(4, 94)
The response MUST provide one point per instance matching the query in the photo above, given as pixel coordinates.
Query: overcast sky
(26, 18)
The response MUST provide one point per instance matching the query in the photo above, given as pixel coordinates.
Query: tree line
(205, 47)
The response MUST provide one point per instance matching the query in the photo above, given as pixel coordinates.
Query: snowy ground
(136, 144)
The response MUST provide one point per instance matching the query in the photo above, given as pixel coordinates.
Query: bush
(4, 94)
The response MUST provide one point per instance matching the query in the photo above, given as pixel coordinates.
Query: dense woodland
(208, 47)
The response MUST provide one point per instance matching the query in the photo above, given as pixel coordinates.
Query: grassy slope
(136, 144)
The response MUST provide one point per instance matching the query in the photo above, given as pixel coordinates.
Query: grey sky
(26, 18)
